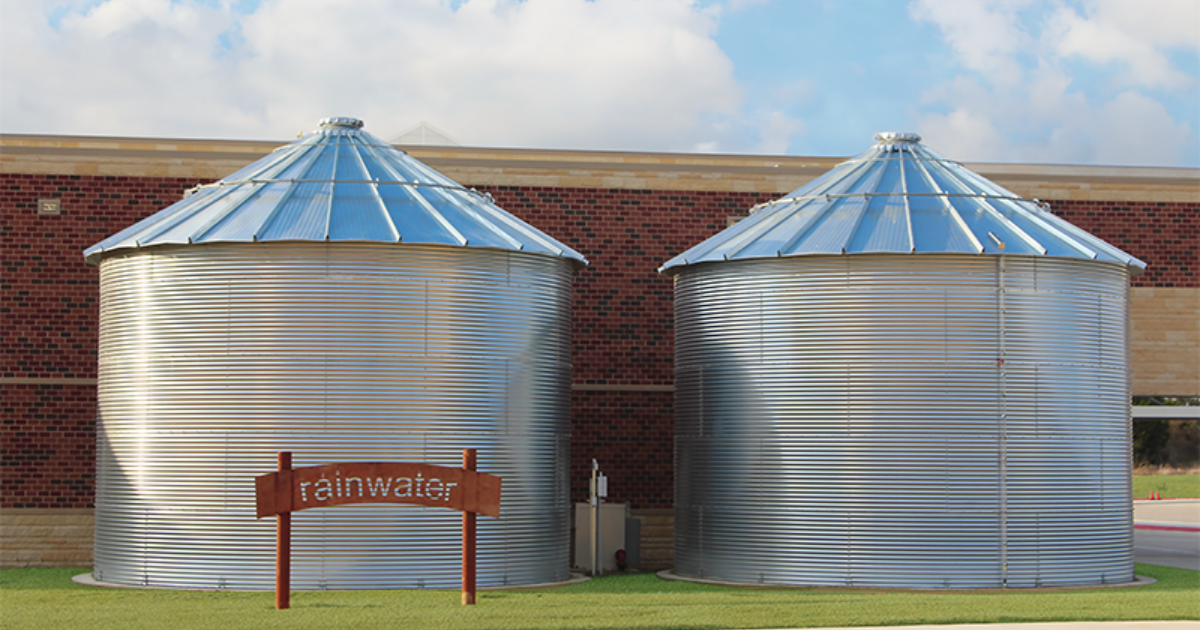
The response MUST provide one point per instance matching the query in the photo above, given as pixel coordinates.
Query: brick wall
(622, 403)
(48, 457)
(624, 309)
(50, 307)
(624, 318)
(50, 296)
(1166, 236)
(632, 436)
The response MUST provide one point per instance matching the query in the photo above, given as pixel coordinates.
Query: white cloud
(1023, 103)
(777, 130)
(987, 35)
(130, 66)
(965, 134)
(618, 74)
(1135, 129)
(1132, 35)
(737, 5)
(1050, 124)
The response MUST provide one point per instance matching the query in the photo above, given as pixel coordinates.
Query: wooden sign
(293, 489)
(377, 482)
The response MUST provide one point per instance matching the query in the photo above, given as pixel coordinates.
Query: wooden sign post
(293, 489)
(283, 547)
(468, 540)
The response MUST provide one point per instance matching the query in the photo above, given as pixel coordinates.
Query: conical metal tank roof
(899, 197)
(336, 184)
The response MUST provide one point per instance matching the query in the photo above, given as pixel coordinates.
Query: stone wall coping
(46, 511)
(204, 158)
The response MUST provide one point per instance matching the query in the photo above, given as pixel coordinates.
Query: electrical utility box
(612, 534)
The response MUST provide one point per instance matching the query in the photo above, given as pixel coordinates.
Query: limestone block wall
(1165, 341)
(46, 537)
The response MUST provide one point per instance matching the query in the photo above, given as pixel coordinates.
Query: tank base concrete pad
(1138, 580)
(87, 579)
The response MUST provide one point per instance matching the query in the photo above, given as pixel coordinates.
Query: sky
(1109, 82)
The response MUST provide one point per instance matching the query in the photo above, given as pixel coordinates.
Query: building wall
(37, 537)
(1165, 340)
(627, 213)
(49, 343)
(1165, 301)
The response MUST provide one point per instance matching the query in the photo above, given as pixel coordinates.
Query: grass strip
(1169, 486)
(46, 598)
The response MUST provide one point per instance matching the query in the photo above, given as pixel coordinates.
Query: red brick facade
(1166, 236)
(632, 435)
(48, 456)
(624, 308)
(50, 310)
(50, 296)
(623, 356)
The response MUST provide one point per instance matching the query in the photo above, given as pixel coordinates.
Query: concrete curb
(1167, 527)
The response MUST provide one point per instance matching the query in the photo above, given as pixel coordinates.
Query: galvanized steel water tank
(903, 375)
(340, 300)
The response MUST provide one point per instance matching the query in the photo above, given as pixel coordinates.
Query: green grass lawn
(1169, 486)
(46, 598)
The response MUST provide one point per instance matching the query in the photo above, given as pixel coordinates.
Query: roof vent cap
(341, 121)
(896, 137)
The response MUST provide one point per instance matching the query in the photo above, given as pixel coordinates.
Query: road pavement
(1167, 533)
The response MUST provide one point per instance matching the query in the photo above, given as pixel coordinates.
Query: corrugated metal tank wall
(900, 420)
(214, 358)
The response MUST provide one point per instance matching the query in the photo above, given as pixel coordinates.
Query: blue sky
(1055, 81)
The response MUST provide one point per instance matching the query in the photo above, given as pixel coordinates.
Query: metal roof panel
(337, 183)
(900, 197)
(884, 227)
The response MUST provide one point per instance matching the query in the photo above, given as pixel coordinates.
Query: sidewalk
(1070, 625)
(1167, 515)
